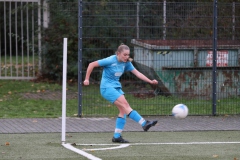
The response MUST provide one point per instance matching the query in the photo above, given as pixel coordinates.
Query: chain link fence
(170, 42)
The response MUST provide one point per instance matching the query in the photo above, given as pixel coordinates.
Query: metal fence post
(80, 58)
(233, 20)
(39, 39)
(137, 24)
(164, 19)
(214, 71)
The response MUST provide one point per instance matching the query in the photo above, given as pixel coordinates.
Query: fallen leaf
(215, 156)
(68, 135)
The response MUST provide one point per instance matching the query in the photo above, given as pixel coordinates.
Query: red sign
(222, 58)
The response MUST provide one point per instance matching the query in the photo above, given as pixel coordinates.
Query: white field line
(85, 154)
(109, 148)
(170, 143)
(119, 146)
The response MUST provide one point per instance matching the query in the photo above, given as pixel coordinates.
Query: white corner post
(64, 89)
(46, 14)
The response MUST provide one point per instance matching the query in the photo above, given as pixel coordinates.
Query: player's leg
(117, 136)
(111, 94)
(120, 122)
(117, 97)
(125, 108)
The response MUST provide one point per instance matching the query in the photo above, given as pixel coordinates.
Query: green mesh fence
(169, 42)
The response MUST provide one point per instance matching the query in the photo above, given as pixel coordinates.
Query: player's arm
(143, 77)
(90, 68)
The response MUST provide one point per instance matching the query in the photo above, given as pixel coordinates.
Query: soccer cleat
(149, 124)
(119, 140)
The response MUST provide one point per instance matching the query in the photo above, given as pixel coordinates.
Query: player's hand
(86, 82)
(154, 82)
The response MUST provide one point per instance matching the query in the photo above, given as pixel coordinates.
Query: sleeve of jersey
(129, 67)
(105, 61)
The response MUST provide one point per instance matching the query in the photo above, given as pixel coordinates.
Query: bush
(63, 24)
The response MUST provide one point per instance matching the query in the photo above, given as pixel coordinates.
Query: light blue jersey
(112, 71)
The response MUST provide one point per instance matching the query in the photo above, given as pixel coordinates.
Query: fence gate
(20, 39)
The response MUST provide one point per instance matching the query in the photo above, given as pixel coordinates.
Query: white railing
(20, 38)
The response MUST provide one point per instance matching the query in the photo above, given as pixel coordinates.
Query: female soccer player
(113, 67)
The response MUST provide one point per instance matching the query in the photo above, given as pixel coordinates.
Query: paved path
(52, 125)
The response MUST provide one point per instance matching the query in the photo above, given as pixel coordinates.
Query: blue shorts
(111, 94)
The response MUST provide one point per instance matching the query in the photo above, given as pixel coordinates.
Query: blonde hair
(122, 47)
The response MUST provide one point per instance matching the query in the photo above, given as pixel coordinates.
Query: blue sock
(134, 115)
(120, 123)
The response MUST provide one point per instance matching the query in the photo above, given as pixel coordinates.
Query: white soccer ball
(180, 111)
